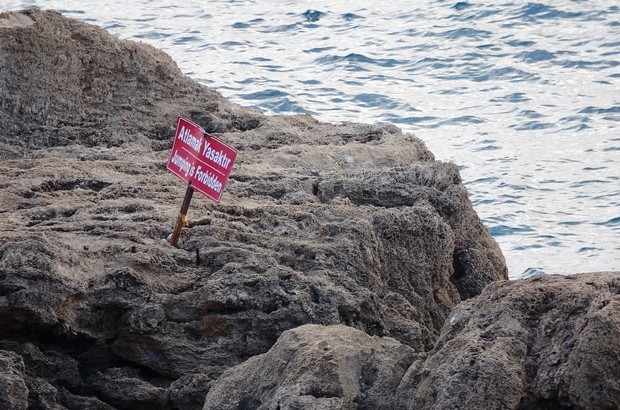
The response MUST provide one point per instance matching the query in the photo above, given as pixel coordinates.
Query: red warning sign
(200, 160)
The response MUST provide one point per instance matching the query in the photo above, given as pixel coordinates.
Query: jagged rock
(124, 388)
(46, 372)
(189, 392)
(76, 402)
(55, 367)
(43, 395)
(541, 343)
(13, 390)
(94, 89)
(320, 224)
(316, 367)
(31, 289)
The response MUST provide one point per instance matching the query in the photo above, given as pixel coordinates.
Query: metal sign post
(181, 219)
(203, 162)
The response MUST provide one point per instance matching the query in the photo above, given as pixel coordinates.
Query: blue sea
(523, 96)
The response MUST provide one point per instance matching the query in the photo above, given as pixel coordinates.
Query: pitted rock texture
(541, 343)
(64, 82)
(13, 390)
(326, 224)
(316, 367)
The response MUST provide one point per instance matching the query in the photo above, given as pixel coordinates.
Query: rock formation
(65, 82)
(541, 343)
(317, 367)
(13, 390)
(348, 237)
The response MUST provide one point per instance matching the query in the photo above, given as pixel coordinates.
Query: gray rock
(189, 392)
(94, 89)
(43, 395)
(329, 224)
(77, 402)
(53, 366)
(124, 388)
(316, 367)
(13, 390)
(546, 342)
(44, 373)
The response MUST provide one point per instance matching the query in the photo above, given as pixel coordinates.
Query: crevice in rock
(249, 403)
(246, 123)
(460, 278)
(458, 266)
(315, 188)
(68, 185)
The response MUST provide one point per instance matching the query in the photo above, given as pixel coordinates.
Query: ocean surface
(523, 96)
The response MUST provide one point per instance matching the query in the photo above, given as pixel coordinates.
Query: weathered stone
(94, 89)
(13, 390)
(189, 392)
(316, 367)
(76, 402)
(546, 342)
(43, 395)
(124, 388)
(329, 224)
(55, 367)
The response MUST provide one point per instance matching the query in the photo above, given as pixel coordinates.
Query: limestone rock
(64, 82)
(53, 366)
(124, 388)
(328, 224)
(13, 390)
(189, 392)
(77, 402)
(546, 342)
(316, 367)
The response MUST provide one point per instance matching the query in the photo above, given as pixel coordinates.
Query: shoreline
(338, 283)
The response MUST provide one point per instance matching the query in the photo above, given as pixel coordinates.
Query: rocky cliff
(541, 343)
(322, 280)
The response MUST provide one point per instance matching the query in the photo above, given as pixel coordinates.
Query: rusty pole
(181, 219)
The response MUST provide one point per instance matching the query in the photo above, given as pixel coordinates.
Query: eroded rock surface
(317, 367)
(347, 224)
(13, 390)
(66, 82)
(542, 343)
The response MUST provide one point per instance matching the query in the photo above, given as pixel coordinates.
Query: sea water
(523, 96)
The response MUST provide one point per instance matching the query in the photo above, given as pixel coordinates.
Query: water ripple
(357, 58)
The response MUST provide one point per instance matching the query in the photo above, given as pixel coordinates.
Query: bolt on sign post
(201, 161)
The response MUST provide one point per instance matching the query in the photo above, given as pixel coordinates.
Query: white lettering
(183, 164)
(186, 136)
(219, 157)
(209, 179)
